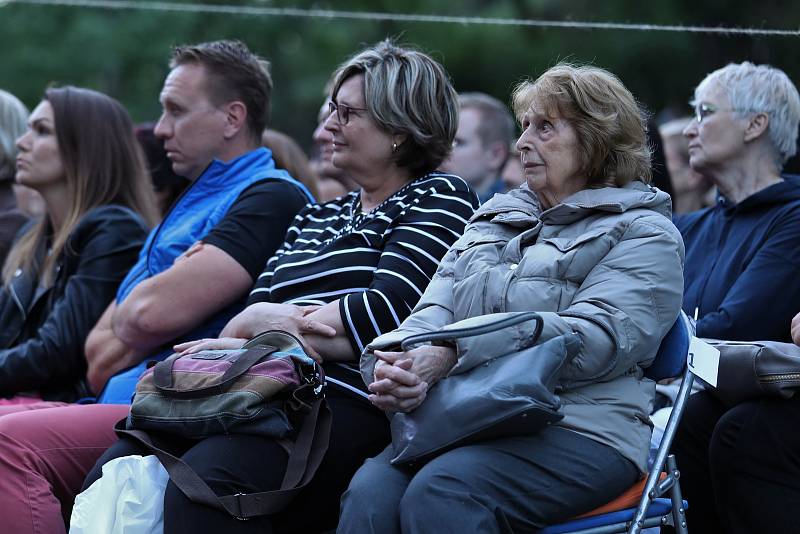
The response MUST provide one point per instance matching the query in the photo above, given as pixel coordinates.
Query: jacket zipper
(504, 292)
(485, 282)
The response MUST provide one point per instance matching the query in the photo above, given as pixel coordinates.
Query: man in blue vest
(199, 263)
(193, 272)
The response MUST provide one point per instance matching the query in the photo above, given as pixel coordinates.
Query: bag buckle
(240, 516)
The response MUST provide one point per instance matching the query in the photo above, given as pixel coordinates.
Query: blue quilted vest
(201, 207)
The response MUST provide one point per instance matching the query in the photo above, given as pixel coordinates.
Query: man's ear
(756, 127)
(235, 118)
(497, 155)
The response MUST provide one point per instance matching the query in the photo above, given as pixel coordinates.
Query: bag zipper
(778, 378)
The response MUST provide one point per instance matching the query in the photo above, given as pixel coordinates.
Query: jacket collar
(634, 195)
(218, 172)
(519, 208)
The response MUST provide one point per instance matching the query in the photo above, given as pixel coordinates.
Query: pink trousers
(46, 450)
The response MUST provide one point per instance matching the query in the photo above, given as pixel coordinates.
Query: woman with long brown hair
(80, 154)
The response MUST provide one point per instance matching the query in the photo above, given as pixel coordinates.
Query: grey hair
(13, 117)
(497, 123)
(762, 89)
(407, 92)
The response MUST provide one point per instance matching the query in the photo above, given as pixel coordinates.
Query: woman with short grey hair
(742, 283)
(753, 89)
(13, 117)
(743, 252)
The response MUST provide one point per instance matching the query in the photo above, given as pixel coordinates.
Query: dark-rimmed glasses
(342, 111)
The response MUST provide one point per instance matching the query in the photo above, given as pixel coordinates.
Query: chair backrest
(670, 360)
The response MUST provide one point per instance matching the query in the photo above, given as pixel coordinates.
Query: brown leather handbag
(751, 369)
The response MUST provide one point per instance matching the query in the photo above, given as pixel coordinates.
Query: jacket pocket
(576, 256)
(460, 248)
(565, 244)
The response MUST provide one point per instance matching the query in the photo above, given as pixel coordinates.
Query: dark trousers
(740, 466)
(246, 464)
(506, 485)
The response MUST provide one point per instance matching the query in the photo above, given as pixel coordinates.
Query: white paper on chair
(703, 360)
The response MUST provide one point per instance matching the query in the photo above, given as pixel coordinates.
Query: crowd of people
(419, 208)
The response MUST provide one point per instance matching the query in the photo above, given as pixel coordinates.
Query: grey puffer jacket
(605, 263)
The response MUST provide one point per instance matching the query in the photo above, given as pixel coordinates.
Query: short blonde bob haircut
(611, 128)
(407, 92)
(13, 116)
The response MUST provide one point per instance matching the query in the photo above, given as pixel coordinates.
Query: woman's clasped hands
(402, 379)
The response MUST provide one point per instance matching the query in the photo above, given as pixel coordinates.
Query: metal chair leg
(678, 511)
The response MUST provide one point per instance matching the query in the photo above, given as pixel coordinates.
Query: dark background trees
(124, 53)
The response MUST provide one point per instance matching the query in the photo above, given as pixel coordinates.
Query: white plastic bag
(127, 499)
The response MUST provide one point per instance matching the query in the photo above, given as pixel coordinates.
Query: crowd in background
(417, 208)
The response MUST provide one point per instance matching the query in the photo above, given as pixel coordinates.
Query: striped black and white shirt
(376, 264)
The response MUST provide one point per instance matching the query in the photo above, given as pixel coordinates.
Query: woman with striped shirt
(349, 270)
(368, 268)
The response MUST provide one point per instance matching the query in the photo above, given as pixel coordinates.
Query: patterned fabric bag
(258, 389)
(270, 387)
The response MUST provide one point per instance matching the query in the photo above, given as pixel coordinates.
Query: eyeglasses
(342, 111)
(703, 110)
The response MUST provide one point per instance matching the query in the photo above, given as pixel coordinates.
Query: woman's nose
(22, 141)
(331, 123)
(520, 144)
(321, 133)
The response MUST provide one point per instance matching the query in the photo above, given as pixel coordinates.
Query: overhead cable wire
(264, 11)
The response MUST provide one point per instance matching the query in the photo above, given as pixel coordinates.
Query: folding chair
(653, 510)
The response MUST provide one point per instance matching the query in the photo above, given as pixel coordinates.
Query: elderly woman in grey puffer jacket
(590, 246)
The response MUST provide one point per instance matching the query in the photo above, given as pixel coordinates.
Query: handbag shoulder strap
(486, 328)
(305, 457)
(162, 375)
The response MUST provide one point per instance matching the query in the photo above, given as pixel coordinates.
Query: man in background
(482, 146)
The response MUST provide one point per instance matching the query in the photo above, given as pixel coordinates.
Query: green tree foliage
(124, 53)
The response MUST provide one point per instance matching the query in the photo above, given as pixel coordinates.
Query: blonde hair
(408, 92)
(611, 128)
(103, 164)
(13, 115)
